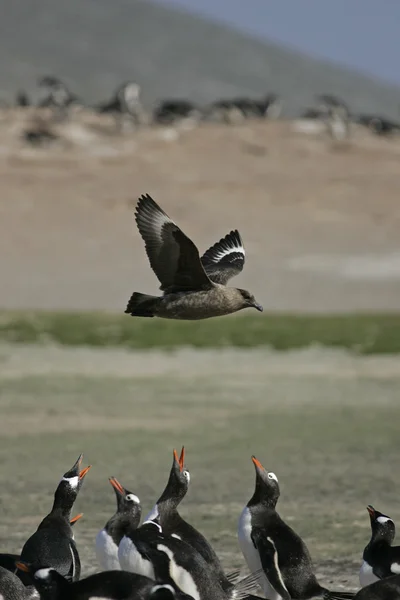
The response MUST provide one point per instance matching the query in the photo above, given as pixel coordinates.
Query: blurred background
(281, 119)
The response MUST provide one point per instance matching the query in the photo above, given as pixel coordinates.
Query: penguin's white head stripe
(186, 474)
(153, 523)
(132, 498)
(165, 586)
(272, 476)
(395, 568)
(43, 573)
(73, 481)
(383, 520)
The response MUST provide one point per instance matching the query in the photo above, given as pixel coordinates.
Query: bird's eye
(272, 476)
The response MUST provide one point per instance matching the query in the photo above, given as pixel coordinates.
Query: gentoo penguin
(268, 543)
(150, 552)
(169, 111)
(188, 291)
(53, 542)
(12, 588)
(58, 95)
(125, 103)
(7, 561)
(171, 521)
(113, 585)
(127, 516)
(380, 558)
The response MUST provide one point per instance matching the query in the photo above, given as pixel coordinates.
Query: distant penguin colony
(166, 558)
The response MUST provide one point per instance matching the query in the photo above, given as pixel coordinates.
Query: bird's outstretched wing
(225, 258)
(173, 257)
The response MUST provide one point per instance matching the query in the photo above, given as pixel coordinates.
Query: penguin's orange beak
(75, 519)
(84, 472)
(257, 463)
(371, 511)
(181, 459)
(22, 566)
(116, 485)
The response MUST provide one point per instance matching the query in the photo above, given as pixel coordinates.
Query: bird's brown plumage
(193, 288)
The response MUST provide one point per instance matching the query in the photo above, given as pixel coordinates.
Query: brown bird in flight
(193, 288)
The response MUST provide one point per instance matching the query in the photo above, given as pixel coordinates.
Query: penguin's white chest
(366, 575)
(252, 555)
(107, 552)
(131, 560)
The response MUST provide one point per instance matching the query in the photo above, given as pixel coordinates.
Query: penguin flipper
(269, 561)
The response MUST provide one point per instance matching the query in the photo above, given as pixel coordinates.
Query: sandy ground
(320, 222)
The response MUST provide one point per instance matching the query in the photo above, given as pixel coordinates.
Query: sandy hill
(96, 44)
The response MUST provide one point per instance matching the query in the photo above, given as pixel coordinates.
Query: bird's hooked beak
(181, 460)
(257, 306)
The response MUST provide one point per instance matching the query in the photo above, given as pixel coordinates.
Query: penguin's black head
(70, 484)
(382, 526)
(267, 486)
(162, 592)
(178, 482)
(47, 581)
(152, 526)
(127, 503)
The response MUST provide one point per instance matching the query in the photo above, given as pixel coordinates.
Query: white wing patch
(73, 561)
(395, 568)
(182, 578)
(217, 256)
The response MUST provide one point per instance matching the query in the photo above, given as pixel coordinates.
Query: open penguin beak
(181, 460)
(75, 519)
(84, 472)
(117, 486)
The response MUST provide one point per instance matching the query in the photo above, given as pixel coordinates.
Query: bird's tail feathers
(244, 588)
(141, 305)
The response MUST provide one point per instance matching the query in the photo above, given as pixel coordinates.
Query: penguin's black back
(294, 559)
(52, 548)
(117, 585)
(386, 589)
(188, 534)
(187, 557)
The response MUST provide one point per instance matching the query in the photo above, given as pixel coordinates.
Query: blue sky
(363, 34)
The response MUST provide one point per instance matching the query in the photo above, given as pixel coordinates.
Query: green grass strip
(366, 334)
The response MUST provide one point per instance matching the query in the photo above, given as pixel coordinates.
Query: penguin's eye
(272, 476)
(186, 474)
